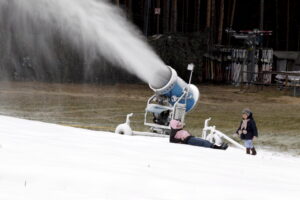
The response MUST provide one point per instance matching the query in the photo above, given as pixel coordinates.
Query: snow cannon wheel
(123, 129)
(215, 139)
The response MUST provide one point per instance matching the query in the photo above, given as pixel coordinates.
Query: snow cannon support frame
(171, 101)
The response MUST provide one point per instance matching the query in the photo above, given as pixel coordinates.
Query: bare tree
(147, 5)
(277, 24)
(287, 24)
(129, 8)
(185, 15)
(157, 16)
(221, 21)
(213, 21)
(174, 16)
(197, 15)
(166, 15)
(208, 14)
(262, 10)
(232, 13)
(117, 2)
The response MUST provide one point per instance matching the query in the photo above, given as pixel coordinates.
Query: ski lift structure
(252, 40)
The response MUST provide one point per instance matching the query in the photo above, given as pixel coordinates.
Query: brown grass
(103, 107)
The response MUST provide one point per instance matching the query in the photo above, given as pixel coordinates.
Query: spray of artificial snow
(94, 27)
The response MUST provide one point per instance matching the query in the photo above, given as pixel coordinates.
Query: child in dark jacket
(178, 135)
(248, 131)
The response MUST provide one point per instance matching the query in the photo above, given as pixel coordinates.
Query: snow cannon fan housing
(174, 90)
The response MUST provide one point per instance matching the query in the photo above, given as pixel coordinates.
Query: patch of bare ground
(103, 107)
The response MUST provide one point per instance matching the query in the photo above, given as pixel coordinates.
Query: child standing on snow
(248, 131)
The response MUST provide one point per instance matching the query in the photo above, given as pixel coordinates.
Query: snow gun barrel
(176, 88)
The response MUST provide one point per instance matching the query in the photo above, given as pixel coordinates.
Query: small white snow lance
(215, 136)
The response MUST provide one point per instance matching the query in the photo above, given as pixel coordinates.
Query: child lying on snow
(178, 135)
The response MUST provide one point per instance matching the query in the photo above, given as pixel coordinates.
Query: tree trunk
(197, 15)
(287, 25)
(208, 14)
(147, 6)
(232, 13)
(182, 15)
(262, 10)
(129, 8)
(185, 15)
(166, 15)
(221, 21)
(277, 25)
(117, 2)
(157, 16)
(213, 21)
(174, 16)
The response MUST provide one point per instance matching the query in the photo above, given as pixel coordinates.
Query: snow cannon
(175, 88)
(171, 101)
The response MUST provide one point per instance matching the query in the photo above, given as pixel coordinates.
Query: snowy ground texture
(46, 161)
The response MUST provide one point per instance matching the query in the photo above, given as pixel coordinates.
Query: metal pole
(157, 28)
(190, 68)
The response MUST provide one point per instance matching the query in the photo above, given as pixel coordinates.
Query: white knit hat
(246, 111)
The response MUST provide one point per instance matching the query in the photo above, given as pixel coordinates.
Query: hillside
(47, 161)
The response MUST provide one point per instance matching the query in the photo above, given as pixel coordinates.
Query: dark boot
(247, 150)
(253, 151)
(224, 146)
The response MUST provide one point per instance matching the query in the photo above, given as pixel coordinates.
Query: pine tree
(221, 21)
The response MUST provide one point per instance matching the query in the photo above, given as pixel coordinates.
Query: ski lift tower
(252, 39)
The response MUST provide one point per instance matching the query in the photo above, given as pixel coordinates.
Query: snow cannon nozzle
(176, 89)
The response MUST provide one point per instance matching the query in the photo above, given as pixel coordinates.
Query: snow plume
(94, 28)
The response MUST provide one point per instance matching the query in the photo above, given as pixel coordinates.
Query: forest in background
(180, 31)
(214, 16)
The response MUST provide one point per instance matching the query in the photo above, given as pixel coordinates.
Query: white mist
(94, 27)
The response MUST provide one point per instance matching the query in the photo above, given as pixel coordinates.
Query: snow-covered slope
(46, 161)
